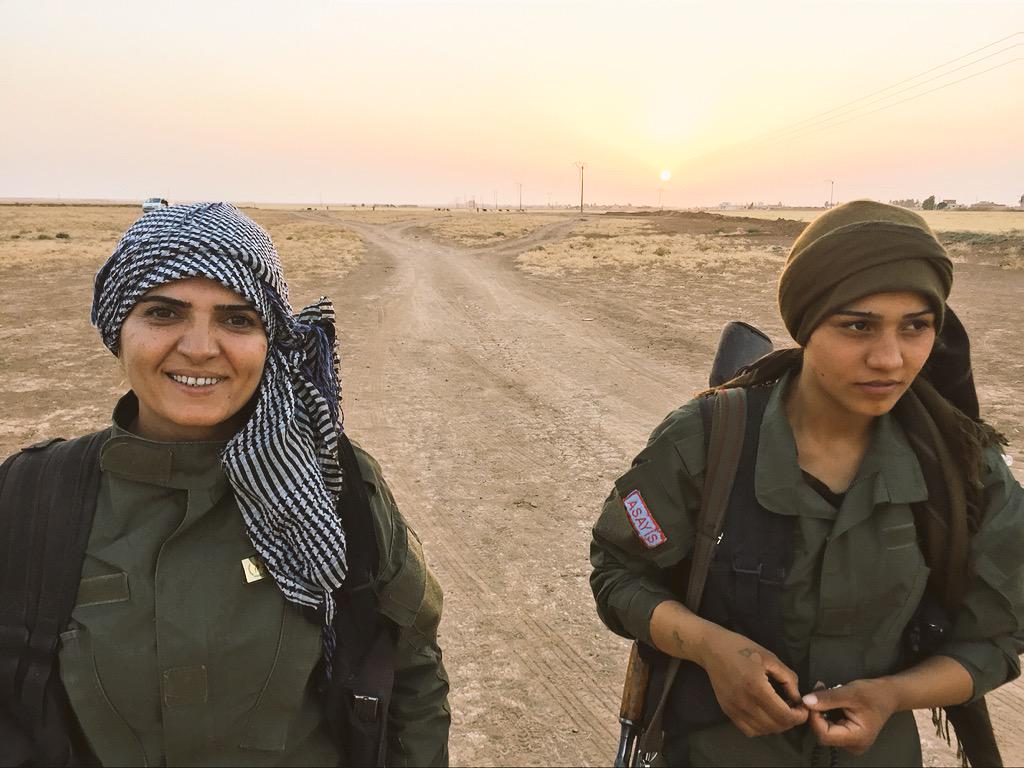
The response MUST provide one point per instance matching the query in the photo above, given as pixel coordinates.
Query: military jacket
(181, 649)
(857, 576)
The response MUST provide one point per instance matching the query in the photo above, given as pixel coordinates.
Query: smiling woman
(181, 570)
(193, 353)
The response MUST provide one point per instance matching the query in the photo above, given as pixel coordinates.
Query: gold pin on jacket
(253, 569)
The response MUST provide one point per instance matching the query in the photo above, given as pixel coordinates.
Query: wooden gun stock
(634, 691)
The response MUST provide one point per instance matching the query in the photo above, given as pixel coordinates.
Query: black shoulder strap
(359, 694)
(47, 500)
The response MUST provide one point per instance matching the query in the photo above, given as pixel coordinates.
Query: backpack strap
(47, 500)
(359, 694)
(725, 417)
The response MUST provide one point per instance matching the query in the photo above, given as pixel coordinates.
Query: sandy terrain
(503, 388)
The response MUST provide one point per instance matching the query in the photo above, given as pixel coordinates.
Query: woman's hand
(866, 705)
(742, 674)
(741, 671)
(858, 712)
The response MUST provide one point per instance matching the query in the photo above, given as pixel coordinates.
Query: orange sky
(422, 102)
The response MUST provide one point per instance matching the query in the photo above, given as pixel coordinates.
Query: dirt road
(470, 389)
(503, 407)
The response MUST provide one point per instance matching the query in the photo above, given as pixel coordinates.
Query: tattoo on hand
(747, 652)
(677, 638)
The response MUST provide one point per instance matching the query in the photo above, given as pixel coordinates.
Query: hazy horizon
(427, 103)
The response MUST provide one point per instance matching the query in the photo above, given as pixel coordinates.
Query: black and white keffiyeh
(283, 463)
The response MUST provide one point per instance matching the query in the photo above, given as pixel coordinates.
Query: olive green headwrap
(855, 250)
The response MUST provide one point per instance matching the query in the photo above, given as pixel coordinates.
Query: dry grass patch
(633, 244)
(940, 221)
(39, 235)
(475, 229)
(996, 249)
(381, 215)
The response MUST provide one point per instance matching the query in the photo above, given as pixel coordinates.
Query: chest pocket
(110, 737)
(904, 576)
(298, 651)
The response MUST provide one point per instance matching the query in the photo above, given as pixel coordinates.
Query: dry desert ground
(504, 368)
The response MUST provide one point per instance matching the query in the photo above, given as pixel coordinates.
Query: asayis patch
(643, 521)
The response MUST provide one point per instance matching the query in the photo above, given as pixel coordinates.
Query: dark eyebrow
(164, 300)
(185, 305)
(874, 316)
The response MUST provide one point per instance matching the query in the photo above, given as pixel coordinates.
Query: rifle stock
(739, 346)
(638, 673)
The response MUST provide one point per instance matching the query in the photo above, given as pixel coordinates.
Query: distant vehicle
(152, 203)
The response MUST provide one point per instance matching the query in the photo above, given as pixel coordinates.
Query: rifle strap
(725, 420)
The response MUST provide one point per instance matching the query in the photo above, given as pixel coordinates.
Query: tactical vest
(744, 586)
(47, 501)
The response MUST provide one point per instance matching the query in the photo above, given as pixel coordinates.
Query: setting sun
(666, 175)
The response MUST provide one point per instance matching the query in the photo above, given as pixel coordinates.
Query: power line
(815, 122)
(915, 96)
(841, 112)
(908, 79)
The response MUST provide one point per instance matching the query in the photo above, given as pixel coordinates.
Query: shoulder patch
(643, 521)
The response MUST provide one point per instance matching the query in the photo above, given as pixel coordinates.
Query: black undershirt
(833, 498)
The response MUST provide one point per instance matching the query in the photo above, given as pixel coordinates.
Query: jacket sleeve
(988, 630)
(645, 529)
(407, 592)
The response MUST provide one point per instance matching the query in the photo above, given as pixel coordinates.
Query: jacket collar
(171, 465)
(889, 473)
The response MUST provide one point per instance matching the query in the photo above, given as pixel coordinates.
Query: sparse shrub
(15, 237)
(43, 236)
(499, 233)
(63, 236)
(661, 250)
(753, 231)
(289, 238)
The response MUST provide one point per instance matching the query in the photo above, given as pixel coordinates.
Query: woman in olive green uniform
(205, 631)
(893, 497)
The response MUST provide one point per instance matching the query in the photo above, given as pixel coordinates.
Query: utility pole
(831, 192)
(520, 184)
(581, 166)
(495, 199)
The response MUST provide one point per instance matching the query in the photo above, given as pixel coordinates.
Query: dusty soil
(502, 395)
